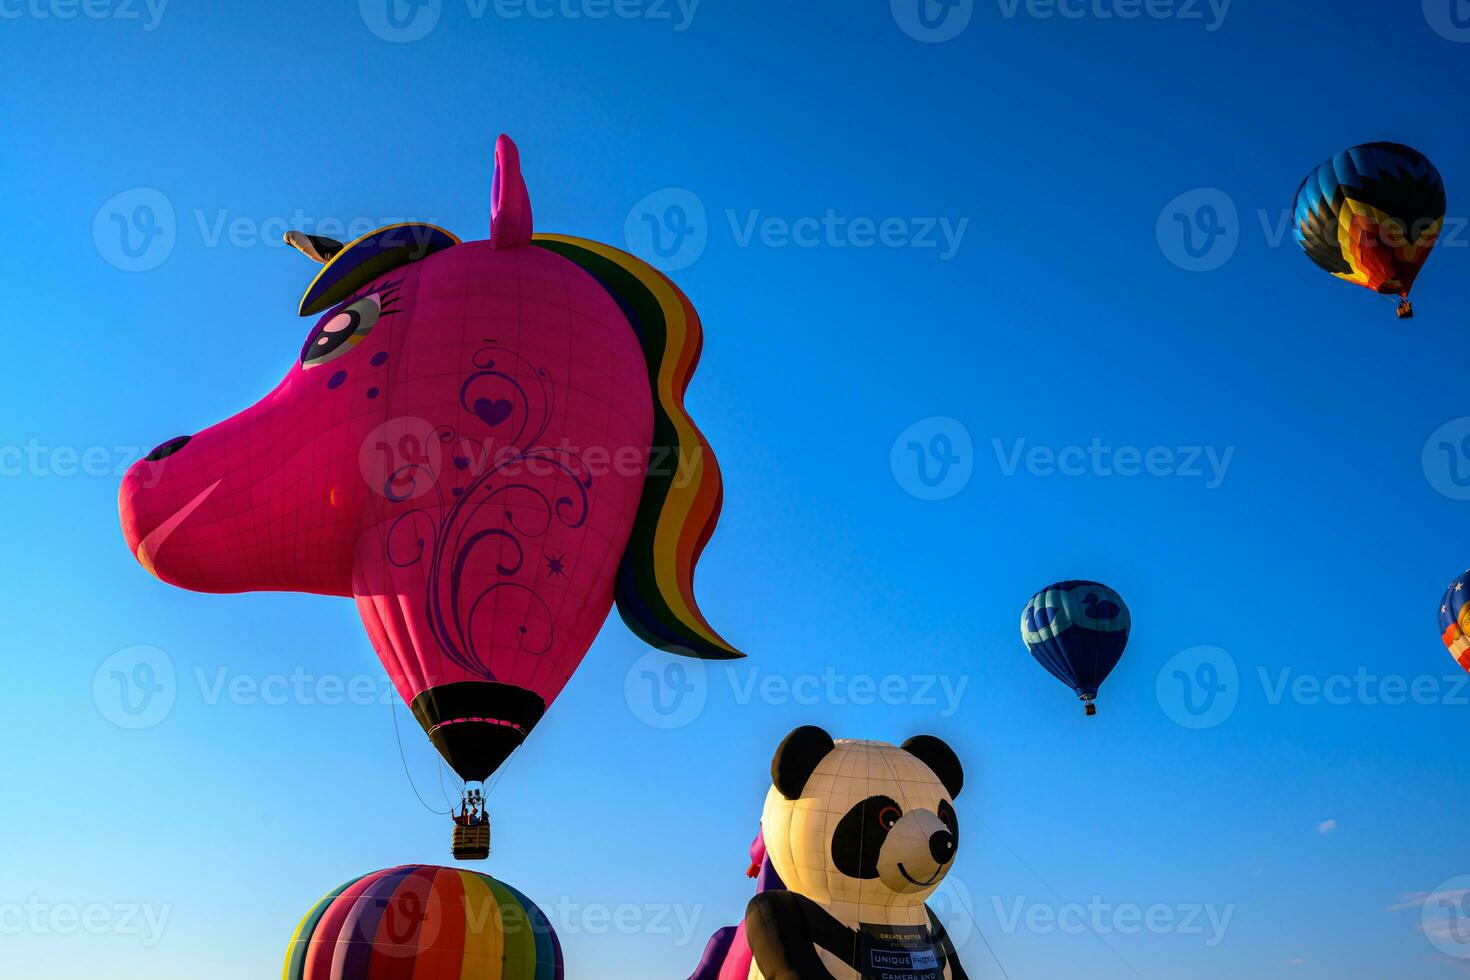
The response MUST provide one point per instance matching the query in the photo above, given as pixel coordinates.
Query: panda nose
(941, 846)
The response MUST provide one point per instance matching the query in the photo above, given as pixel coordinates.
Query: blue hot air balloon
(1077, 630)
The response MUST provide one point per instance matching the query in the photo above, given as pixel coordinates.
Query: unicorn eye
(341, 330)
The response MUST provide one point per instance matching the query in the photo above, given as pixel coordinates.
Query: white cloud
(1409, 900)
(1417, 900)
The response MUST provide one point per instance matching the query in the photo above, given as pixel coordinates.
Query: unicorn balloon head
(484, 444)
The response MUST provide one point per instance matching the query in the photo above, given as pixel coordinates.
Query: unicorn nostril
(167, 449)
(941, 846)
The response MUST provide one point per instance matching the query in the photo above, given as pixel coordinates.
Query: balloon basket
(1091, 709)
(1406, 310)
(471, 843)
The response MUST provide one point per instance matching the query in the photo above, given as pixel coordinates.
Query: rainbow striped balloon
(420, 922)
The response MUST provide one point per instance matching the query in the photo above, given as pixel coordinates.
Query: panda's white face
(873, 826)
(919, 849)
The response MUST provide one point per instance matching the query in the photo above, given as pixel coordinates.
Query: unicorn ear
(510, 205)
(315, 247)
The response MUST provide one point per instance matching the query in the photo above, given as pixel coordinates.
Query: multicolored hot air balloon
(422, 921)
(1371, 216)
(1454, 620)
(1077, 630)
(483, 443)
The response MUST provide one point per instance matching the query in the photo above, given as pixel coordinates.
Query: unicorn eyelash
(321, 347)
(387, 294)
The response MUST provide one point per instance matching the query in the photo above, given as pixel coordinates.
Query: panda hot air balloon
(1077, 630)
(1371, 215)
(1454, 620)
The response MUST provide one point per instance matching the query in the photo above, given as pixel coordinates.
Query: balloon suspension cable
(444, 792)
(392, 708)
(496, 776)
(1060, 901)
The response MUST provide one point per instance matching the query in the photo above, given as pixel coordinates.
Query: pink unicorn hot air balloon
(483, 443)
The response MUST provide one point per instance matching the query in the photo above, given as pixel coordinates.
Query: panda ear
(797, 758)
(938, 756)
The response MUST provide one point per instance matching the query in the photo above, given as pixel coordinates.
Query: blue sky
(1291, 519)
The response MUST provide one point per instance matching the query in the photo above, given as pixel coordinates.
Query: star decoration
(556, 565)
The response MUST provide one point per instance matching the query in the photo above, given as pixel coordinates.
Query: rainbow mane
(682, 491)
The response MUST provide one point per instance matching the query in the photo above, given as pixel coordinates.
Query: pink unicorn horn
(510, 204)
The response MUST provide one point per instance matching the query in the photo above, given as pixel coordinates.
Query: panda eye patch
(860, 834)
(947, 815)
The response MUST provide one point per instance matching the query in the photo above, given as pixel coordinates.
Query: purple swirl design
(450, 536)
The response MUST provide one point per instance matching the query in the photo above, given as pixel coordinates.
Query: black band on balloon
(476, 725)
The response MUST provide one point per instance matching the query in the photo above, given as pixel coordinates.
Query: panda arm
(784, 930)
(940, 939)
